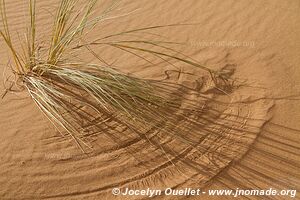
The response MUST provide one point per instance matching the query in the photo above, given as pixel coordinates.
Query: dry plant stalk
(61, 88)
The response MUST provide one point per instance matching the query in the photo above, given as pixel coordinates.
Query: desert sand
(260, 39)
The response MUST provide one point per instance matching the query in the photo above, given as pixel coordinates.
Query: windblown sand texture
(248, 140)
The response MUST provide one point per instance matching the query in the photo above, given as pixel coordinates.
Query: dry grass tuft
(61, 88)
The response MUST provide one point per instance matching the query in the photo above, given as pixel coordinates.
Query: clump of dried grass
(61, 88)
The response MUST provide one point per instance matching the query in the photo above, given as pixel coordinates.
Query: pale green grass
(56, 85)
